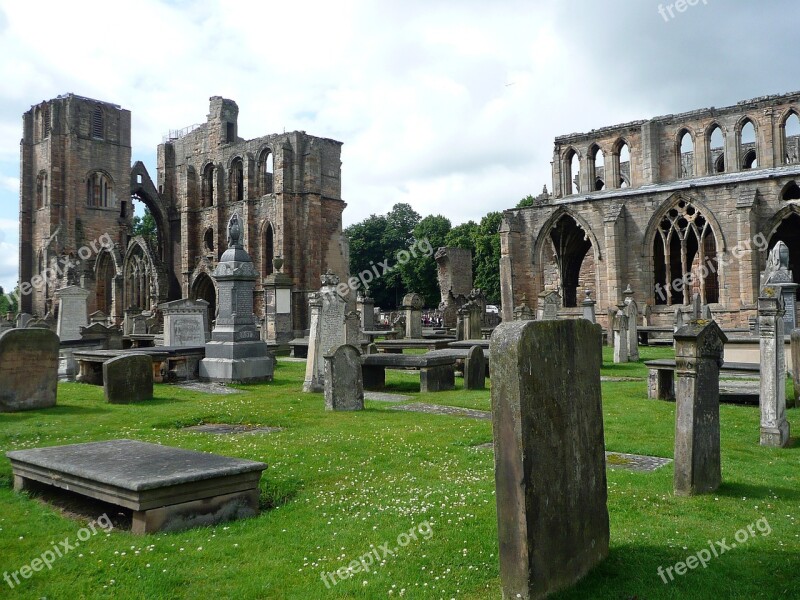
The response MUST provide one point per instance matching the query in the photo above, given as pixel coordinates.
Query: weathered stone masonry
(654, 200)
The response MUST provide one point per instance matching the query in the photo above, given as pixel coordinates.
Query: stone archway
(788, 232)
(204, 288)
(568, 258)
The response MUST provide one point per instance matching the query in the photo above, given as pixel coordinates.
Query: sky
(449, 105)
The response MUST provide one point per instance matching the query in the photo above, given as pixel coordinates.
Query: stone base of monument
(168, 489)
(237, 362)
(777, 437)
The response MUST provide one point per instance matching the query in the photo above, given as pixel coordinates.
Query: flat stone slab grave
(437, 409)
(385, 397)
(168, 489)
(437, 373)
(208, 388)
(619, 460)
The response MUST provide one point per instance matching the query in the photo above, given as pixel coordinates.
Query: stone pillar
(366, 306)
(589, 307)
(352, 328)
(550, 475)
(621, 337)
(312, 381)
(632, 312)
(278, 329)
(795, 350)
(475, 321)
(698, 357)
(327, 335)
(774, 426)
(412, 308)
(72, 312)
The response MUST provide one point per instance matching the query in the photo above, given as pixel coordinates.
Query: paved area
(436, 409)
(208, 388)
(384, 397)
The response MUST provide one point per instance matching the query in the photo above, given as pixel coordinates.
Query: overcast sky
(451, 106)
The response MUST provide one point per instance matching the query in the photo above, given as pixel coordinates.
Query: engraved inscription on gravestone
(188, 331)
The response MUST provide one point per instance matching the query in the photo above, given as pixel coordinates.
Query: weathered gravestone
(621, 337)
(550, 471)
(412, 308)
(548, 305)
(475, 369)
(23, 319)
(326, 330)
(772, 398)
(185, 322)
(698, 357)
(128, 378)
(28, 369)
(344, 384)
(588, 305)
(366, 307)
(235, 352)
(632, 312)
(778, 276)
(795, 350)
(72, 312)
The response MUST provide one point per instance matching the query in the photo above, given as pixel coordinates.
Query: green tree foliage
(145, 226)
(525, 202)
(462, 236)
(419, 273)
(486, 257)
(8, 303)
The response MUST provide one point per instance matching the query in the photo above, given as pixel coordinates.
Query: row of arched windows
(209, 192)
(618, 177)
(267, 246)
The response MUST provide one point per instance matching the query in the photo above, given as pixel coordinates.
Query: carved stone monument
(235, 352)
(632, 312)
(326, 332)
(774, 426)
(72, 312)
(366, 306)
(777, 275)
(620, 327)
(277, 330)
(549, 303)
(185, 322)
(412, 308)
(588, 305)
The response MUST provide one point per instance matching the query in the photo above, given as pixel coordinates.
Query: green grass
(339, 483)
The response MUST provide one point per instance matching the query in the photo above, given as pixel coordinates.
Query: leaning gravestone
(28, 369)
(128, 378)
(475, 369)
(550, 471)
(72, 312)
(344, 384)
(698, 357)
(185, 322)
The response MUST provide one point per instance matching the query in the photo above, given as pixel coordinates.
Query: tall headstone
(795, 350)
(366, 306)
(185, 322)
(352, 328)
(128, 379)
(778, 276)
(235, 352)
(774, 426)
(549, 302)
(698, 356)
(72, 312)
(327, 331)
(588, 305)
(550, 474)
(632, 312)
(475, 369)
(621, 354)
(278, 287)
(412, 309)
(344, 383)
(28, 369)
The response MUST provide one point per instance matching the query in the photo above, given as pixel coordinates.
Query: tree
(526, 202)
(8, 303)
(145, 226)
(367, 251)
(419, 274)
(486, 260)
(462, 236)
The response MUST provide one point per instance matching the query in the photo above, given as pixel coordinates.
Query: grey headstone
(550, 472)
(698, 357)
(412, 308)
(185, 322)
(28, 369)
(22, 320)
(621, 354)
(632, 312)
(128, 378)
(327, 330)
(344, 384)
(72, 312)
(774, 426)
(475, 369)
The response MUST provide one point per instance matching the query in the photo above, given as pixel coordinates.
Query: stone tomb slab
(168, 489)
(452, 411)
(618, 460)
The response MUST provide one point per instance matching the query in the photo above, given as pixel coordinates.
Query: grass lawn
(342, 484)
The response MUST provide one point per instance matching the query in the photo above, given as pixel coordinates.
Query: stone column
(698, 357)
(621, 337)
(313, 382)
(774, 426)
(366, 306)
(589, 307)
(412, 308)
(550, 472)
(278, 329)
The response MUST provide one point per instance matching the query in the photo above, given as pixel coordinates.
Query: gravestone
(588, 305)
(277, 329)
(795, 350)
(366, 306)
(23, 319)
(475, 369)
(679, 320)
(698, 357)
(352, 328)
(778, 276)
(550, 470)
(523, 312)
(28, 369)
(185, 322)
(621, 337)
(632, 312)
(327, 330)
(344, 383)
(462, 324)
(236, 353)
(128, 379)
(646, 315)
(549, 303)
(476, 312)
(72, 312)
(412, 308)
(139, 324)
(774, 426)
(98, 316)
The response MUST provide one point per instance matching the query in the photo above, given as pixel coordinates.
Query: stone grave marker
(549, 303)
(774, 426)
(344, 384)
(128, 379)
(475, 369)
(72, 312)
(588, 305)
(621, 337)
(632, 312)
(795, 350)
(698, 357)
(327, 330)
(23, 319)
(412, 308)
(185, 322)
(550, 469)
(28, 369)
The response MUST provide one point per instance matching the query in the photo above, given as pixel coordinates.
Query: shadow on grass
(277, 493)
(759, 492)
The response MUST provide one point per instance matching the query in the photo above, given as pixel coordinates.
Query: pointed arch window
(98, 190)
(685, 154)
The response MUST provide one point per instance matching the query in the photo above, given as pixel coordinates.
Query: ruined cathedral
(77, 189)
(673, 206)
